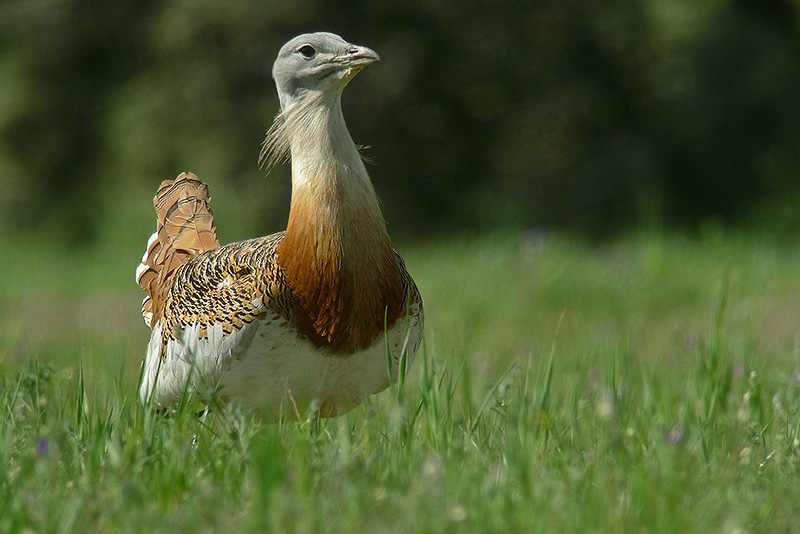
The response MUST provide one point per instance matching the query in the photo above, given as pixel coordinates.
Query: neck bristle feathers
(336, 254)
(297, 121)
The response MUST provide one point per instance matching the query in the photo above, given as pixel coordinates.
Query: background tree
(573, 114)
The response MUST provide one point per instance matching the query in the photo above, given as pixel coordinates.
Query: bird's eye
(307, 51)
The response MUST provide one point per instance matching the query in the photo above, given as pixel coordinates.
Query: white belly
(269, 367)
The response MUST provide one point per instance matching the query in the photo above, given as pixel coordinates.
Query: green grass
(651, 384)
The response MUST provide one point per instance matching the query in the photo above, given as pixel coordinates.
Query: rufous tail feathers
(184, 229)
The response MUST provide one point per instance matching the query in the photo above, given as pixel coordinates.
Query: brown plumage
(185, 228)
(342, 299)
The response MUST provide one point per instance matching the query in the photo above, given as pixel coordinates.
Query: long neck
(330, 186)
(336, 253)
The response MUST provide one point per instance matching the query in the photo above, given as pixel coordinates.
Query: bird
(317, 317)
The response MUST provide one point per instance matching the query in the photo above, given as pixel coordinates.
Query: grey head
(317, 64)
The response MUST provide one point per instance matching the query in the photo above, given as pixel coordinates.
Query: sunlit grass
(651, 384)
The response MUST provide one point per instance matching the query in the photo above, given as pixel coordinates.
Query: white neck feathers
(326, 164)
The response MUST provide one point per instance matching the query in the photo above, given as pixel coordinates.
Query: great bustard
(302, 316)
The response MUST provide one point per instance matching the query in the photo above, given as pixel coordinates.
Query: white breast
(268, 366)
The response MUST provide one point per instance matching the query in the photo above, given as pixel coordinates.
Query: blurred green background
(579, 115)
(613, 183)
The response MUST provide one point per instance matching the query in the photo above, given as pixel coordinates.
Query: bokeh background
(592, 117)
(602, 196)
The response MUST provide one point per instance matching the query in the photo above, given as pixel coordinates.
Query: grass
(650, 384)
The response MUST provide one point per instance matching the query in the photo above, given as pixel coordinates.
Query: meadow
(647, 384)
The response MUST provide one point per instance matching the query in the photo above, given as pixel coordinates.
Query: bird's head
(317, 64)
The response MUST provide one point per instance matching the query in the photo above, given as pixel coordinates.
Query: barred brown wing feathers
(412, 295)
(185, 220)
(232, 286)
(184, 229)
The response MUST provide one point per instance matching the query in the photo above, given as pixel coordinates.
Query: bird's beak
(360, 56)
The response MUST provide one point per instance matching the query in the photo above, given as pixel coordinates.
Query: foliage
(650, 384)
(574, 114)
